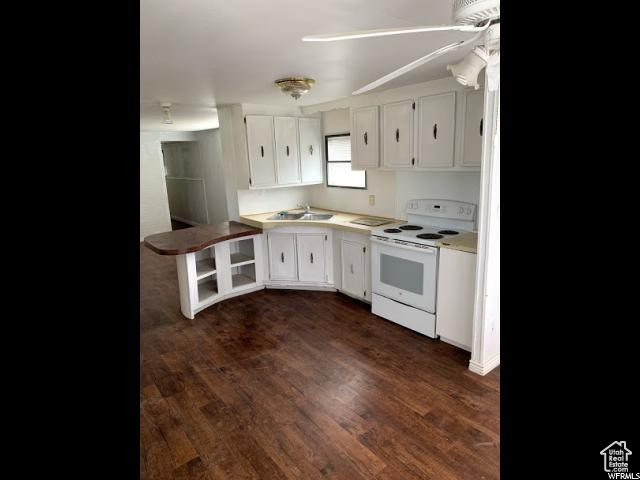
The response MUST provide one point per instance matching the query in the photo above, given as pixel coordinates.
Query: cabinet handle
(261, 150)
(287, 150)
(311, 257)
(310, 149)
(352, 268)
(366, 141)
(397, 134)
(481, 126)
(435, 131)
(282, 257)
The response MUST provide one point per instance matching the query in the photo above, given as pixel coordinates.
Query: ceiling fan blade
(331, 37)
(416, 63)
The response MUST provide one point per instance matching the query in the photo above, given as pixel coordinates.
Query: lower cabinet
(355, 265)
(282, 256)
(300, 256)
(311, 257)
(456, 294)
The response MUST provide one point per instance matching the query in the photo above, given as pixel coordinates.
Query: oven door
(405, 273)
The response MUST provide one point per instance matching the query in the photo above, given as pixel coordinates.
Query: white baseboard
(320, 288)
(483, 369)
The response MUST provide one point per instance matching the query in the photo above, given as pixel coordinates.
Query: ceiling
(203, 53)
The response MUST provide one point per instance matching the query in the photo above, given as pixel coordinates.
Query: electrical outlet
(372, 199)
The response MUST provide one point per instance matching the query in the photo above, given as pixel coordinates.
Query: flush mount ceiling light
(295, 86)
(166, 113)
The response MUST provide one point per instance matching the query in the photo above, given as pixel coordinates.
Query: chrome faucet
(307, 208)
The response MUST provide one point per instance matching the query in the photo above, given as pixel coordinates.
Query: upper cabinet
(283, 151)
(436, 130)
(433, 132)
(397, 134)
(287, 158)
(473, 128)
(365, 147)
(262, 163)
(310, 152)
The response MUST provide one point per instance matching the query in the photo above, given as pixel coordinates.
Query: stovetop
(417, 233)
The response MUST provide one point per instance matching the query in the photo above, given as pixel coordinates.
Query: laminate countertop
(341, 220)
(188, 240)
(466, 242)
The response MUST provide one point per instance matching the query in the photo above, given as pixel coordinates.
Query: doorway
(185, 184)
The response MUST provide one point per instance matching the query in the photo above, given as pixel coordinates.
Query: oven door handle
(428, 250)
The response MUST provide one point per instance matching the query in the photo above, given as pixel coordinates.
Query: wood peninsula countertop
(340, 220)
(193, 239)
(467, 242)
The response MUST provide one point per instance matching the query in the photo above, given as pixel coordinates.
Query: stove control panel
(442, 209)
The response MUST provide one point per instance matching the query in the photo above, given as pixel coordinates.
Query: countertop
(339, 220)
(467, 242)
(188, 240)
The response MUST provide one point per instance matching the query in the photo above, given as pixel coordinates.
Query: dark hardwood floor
(305, 385)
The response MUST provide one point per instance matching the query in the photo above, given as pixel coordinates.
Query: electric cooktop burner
(429, 236)
(410, 227)
(392, 230)
(448, 232)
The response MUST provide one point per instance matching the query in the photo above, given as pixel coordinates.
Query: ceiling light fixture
(466, 71)
(166, 117)
(295, 86)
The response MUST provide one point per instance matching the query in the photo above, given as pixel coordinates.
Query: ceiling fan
(480, 17)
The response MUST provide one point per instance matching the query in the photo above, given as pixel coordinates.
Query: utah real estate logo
(616, 461)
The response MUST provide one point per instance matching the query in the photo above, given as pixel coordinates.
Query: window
(339, 173)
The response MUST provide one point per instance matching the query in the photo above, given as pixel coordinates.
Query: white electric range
(404, 261)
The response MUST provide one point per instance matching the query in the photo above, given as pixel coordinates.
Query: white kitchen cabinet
(260, 149)
(473, 128)
(436, 130)
(354, 268)
(365, 147)
(456, 294)
(311, 257)
(397, 134)
(282, 256)
(310, 150)
(286, 145)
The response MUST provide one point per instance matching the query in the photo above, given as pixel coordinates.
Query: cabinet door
(311, 257)
(365, 149)
(456, 294)
(310, 153)
(473, 128)
(260, 147)
(397, 134)
(353, 268)
(282, 256)
(287, 157)
(436, 130)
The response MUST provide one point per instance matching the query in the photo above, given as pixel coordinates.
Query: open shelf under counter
(205, 267)
(238, 259)
(207, 291)
(240, 280)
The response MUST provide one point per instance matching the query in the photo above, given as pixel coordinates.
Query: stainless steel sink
(316, 216)
(286, 216)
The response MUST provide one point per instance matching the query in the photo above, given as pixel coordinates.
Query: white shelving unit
(223, 270)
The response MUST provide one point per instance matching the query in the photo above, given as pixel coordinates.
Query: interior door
(287, 157)
(397, 136)
(311, 257)
(310, 153)
(365, 151)
(436, 130)
(260, 149)
(353, 268)
(473, 128)
(282, 256)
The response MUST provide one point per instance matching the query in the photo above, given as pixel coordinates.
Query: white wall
(154, 206)
(213, 174)
(392, 189)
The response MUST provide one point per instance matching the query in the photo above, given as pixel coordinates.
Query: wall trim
(483, 369)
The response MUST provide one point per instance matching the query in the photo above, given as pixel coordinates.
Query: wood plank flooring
(282, 384)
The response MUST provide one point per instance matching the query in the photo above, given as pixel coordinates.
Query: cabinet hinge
(325, 237)
(249, 180)
(414, 105)
(365, 293)
(364, 249)
(245, 119)
(413, 161)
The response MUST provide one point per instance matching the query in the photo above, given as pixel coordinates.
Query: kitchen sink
(316, 216)
(286, 216)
